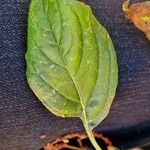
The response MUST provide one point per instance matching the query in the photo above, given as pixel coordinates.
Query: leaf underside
(71, 61)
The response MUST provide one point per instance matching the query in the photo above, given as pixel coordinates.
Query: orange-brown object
(76, 142)
(139, 14)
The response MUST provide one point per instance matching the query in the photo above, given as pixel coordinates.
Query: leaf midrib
(76, 86)
(84, 118)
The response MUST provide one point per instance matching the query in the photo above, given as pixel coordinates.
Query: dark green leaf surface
(71, 61)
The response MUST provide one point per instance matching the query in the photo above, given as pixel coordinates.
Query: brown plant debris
(78, 142)
(139, 14)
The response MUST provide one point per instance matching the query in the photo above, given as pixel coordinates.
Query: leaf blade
(71, 61)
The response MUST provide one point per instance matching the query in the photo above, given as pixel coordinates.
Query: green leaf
(71, 61)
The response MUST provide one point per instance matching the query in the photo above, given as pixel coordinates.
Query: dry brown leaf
(139, 14)
(78, 142)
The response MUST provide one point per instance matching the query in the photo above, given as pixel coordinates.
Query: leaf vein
(46, 55)
(82, 43)
(52, 87)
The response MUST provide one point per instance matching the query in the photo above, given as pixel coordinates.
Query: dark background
(23, 119)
